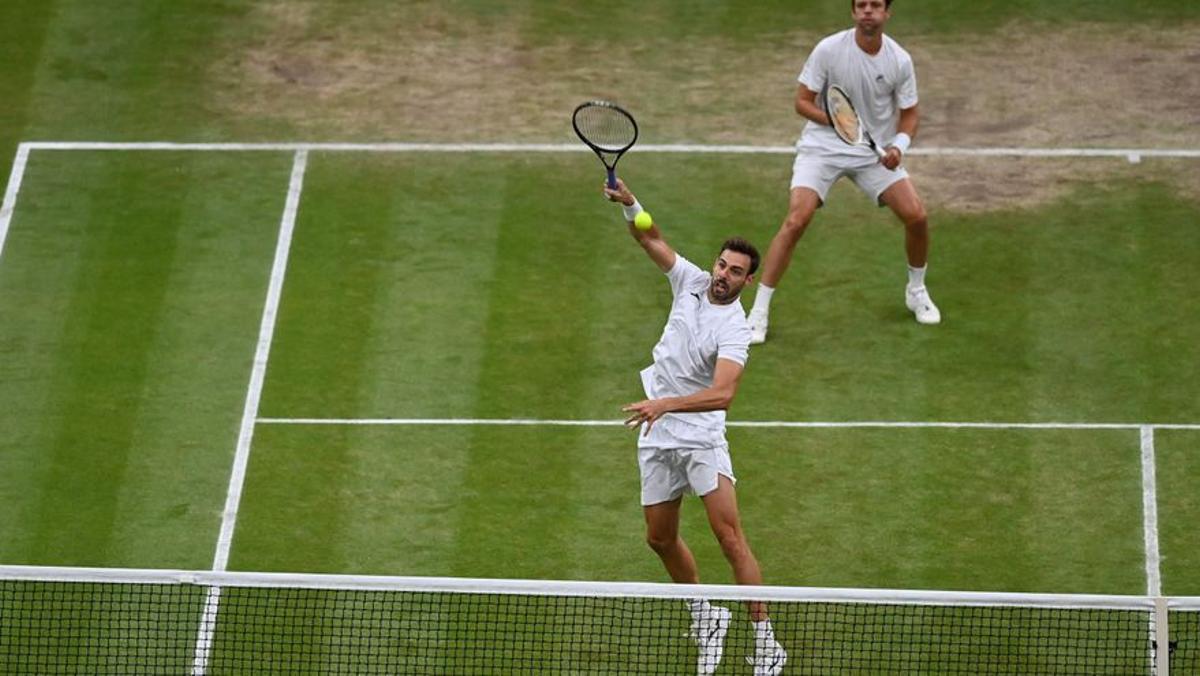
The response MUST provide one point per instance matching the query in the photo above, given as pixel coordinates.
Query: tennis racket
(608, 129)
(845, 120)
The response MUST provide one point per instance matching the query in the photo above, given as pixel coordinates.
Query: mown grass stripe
(117, 304)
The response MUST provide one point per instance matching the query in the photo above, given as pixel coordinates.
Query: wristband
(632, 210)
(902, 142)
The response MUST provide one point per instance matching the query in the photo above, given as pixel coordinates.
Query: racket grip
(612, 179)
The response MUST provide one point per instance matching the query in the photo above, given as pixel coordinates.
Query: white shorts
(818, 171)
(668, 473)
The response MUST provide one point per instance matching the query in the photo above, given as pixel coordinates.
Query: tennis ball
(643, 221)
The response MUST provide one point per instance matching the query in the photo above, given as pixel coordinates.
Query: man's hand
(645, 411)
(621, 194)
(891, 158)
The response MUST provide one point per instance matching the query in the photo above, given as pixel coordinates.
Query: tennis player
(879, 77)
(698, 363)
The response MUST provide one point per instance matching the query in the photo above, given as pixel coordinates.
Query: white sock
(762, 299)
(764, 635)
(916, 277)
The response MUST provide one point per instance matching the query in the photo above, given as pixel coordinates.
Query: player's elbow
(723, 398)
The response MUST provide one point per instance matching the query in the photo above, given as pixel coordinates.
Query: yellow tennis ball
(643, 221)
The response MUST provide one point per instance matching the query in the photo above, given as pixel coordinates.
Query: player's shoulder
(684, 267)
(686, 276)
(836, 40)
(898, 52)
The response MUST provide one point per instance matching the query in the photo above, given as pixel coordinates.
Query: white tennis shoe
(758, 326)
(709, 630)
(917, 299)
(769, 658)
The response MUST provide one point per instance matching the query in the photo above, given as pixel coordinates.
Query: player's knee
(661, 543)
(918, 220)
(733, 542)
(795, 224)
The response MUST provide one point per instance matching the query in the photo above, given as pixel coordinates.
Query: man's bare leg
(901, 197)
(802, 204)
(721, 506)
(662, 534)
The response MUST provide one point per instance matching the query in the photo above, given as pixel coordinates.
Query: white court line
(732, 423)
(262, 352)
(1130, 154)
(10, 194)
(1150, 535)
(1150, 514)
(237, 477)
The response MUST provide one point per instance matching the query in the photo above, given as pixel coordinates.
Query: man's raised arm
(651, 239)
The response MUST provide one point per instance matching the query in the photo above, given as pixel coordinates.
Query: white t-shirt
(696, 335)
(879, 86)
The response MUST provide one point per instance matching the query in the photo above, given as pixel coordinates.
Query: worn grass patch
(422, 71)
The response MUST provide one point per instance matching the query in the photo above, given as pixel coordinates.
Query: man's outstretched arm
(651, 240)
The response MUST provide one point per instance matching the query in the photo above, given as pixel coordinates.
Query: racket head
(605, 127)
(842, 116)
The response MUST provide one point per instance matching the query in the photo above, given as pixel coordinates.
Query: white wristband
(902, 142)
(632, 210)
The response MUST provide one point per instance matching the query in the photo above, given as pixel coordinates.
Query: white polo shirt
(879, 86)
(697, 333)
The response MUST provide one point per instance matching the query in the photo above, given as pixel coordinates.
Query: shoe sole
(927, 322)
(912, 309)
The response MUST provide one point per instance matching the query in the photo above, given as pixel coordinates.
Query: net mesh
(603, 125)
(138, 628)
(1185, 642)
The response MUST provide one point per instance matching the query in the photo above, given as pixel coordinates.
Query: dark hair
(739, 245)
(887, 4)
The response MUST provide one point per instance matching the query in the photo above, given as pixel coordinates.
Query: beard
(871, 28)
(723, 292)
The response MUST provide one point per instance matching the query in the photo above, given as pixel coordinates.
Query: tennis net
(120, 621)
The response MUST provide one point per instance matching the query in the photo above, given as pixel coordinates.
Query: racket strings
(844, 118)
(606, 128)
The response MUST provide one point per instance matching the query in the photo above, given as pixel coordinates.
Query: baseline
(1130, 154)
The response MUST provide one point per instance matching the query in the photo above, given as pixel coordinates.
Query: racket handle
(612, 179)
(875, 146)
